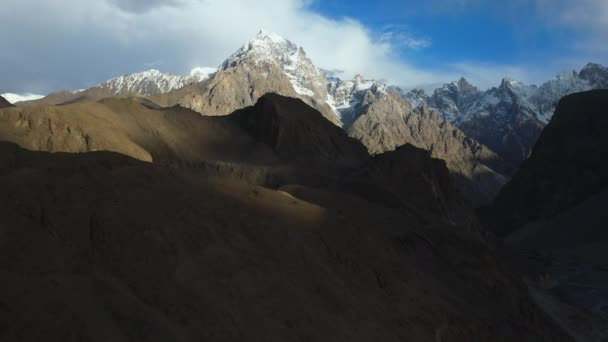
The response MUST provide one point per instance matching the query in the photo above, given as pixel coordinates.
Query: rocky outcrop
(505, 120)
(567, 165)
(386, 121)
(596, 75)
(454, 99)
(411, 179)
(297, 132)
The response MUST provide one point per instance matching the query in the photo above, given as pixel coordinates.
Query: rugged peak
(269, 49)
(265, 47)
(417, 92)
(508, 82)
(517, 88)
(298, 132)
(593, 66)
(570, 146)
(596, 75)
(361, 83)
(270, 36)
(464, 85)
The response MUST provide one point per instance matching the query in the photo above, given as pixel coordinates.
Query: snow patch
(14, 98)
(153, 82)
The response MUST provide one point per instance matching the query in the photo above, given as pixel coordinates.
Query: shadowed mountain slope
(129, 127)
(295, 131)
(553, 213)
(386, 121)
(99, 246)
(568, 165)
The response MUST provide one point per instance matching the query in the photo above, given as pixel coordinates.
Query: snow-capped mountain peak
(511, 83)
(264, 47)
(510, 91)
(596, 75)
(344, 96)
(264, 35)
(270, 48)
(153, 82)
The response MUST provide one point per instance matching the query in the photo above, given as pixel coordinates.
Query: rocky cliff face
(508, 118)
(567, 165)
(505, 120)
(553, 213)
(409, 177)
(267, 64)
(386, 121)
(454, 99)
(596, 75)
(297, 132)
(347, 96)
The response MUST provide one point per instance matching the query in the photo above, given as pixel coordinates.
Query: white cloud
(589, 17)
(78, 43)
(73, 44)
(14, 98)
(399, 36)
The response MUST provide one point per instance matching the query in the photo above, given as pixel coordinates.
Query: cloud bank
(74, 44)
(68, 44)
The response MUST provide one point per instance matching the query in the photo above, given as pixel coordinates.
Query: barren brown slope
(69, 97)
(178, 136)
(386, 121)
(298, 132)
(127, 126)
(239, 87)
(99, 246)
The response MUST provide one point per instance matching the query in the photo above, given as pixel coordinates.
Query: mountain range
(510, 117)
(264, 200)
(483, 136)
(270, 223)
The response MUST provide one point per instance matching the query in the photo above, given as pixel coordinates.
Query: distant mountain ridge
(261, 225)
(510, 117)
(482, 135)
(146, 83)
(153, 82)
(367, 110)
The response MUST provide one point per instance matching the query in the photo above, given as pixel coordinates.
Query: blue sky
(74, 44)
(533, 36)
